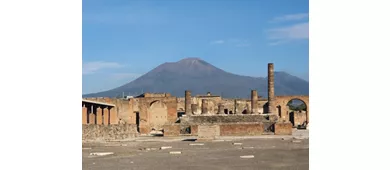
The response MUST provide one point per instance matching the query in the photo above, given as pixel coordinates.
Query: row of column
(254, 97)
(103, 116)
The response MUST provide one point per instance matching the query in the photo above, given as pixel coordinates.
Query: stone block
(194, 130)
(283, 128)
(93, 132)
(208, 132)
(244, 129)
(172, 130)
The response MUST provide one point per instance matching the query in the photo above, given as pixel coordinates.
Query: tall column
(187, 102)
(105, 116)
(254, 98)
(92, 118)
(113, 116)
(84, 112)
(99, 116)
(271, 90)
(221, 108)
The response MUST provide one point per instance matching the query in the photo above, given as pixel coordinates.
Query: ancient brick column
(221, 108)
(99, 116)
(187, 102)
(84, 112)
(92, 118)
(205, 106)
(113, 116)
(254, 98)
(105, 116)
(271, 90)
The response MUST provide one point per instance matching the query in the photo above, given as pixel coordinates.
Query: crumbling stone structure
(161, 111)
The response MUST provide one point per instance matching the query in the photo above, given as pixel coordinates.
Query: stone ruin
(206, 116)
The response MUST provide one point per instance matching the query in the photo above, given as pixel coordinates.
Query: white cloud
(235, 42)
(291, 17)
(92, 67)
(121, 76)
(217, 42)
(295, 32)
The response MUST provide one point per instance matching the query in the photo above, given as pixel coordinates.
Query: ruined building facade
(153, 111)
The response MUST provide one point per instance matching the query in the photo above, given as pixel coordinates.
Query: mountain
(201, 77)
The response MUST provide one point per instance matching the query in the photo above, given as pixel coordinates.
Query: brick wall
(241, 129)
(109, 132)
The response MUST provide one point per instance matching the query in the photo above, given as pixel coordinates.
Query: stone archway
(283, 110)
(158, 113)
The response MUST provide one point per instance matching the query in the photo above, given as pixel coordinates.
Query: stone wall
(108, 132)
(200, 119)
(241, 129)
(171, 129)
(284, 128)
(298, 118)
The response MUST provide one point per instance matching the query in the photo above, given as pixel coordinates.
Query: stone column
(254, 99)
(84, 112)
(271, 90)
(187, 103)
(205, 106)
(105, 116)
(99, 116)
(113, 116)
(221, 108)
(195, 109)
(92, 118)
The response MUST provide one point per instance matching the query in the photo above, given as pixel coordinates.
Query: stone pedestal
(171, 130)
(208, 132)
(283, 128)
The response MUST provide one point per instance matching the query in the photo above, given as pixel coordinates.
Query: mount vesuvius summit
(200, 77)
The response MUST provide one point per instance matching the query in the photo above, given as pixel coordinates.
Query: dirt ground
(144, 153)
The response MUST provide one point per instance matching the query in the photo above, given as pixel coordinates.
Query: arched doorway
(158, 115)
(296, 112)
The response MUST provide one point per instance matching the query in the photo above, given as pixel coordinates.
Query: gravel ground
(144, 153)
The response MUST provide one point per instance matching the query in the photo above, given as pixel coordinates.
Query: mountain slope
(200, 77)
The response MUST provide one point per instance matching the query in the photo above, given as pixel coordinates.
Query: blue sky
(123, 39)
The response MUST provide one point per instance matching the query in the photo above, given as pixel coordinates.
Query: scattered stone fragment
(196, 144)
(237, 143)
(101, 153)
(247, 156)
(248, 147)
(165, 147)
(175, 152)
(219, 140)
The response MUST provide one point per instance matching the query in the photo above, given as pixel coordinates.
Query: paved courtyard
(145, 153)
